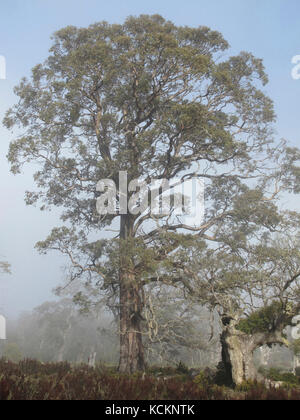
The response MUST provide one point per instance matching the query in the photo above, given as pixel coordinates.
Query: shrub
(287, 378)
(203, 380)
(249, 386)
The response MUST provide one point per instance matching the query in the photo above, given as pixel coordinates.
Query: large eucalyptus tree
(153, 100)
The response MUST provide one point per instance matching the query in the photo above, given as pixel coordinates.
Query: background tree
(156, 101)
(256, 291)
(56, 332)
(178, 330)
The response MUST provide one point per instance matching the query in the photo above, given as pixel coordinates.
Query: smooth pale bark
(92, 358)
(60, 355)
(131, 308)
(238, 349)
(62, 350)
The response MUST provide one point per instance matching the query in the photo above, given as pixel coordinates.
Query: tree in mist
(56, 332)
(254, 288)
(156, 101)
(178, 329)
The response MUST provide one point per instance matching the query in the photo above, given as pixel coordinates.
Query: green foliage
(265, 320)
(296, 347)
(202, 380)
(248, 386)
(158, 101)
(279, 376)
(113, 98)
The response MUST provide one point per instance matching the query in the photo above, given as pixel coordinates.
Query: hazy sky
(268, 28)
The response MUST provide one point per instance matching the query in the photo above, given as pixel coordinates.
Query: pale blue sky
(268, 28)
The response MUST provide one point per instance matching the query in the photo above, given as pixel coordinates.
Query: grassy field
(32, 380)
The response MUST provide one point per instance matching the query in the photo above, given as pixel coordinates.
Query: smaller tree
(56, 332)
(254, 288)
(173, 333)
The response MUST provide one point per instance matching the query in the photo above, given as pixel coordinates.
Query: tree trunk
(131, 309)
(238, 348)
(60, 356)
(237, 357)
(62, 350)
(131, 344)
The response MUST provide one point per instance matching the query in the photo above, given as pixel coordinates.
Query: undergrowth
(32, 380)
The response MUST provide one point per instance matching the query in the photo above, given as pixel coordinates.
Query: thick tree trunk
(237, 357)
(131, 309)
(238, 349)
(131, 344)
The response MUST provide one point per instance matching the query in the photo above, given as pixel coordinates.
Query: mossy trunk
(237, 357)
(238, 349)
(131, 343)
(131, 309)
